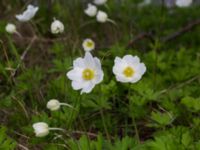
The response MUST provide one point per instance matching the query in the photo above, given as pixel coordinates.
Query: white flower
(11, 28)
(57, 27)
(53, 104)
(101, 16)
(91, 10)
(86, 73)
(88, 45)
(128, 69)
(183, 3)
(28, 14)
(100, 2)
(41, 129)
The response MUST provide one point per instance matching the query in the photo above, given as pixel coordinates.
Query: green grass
(160, 112)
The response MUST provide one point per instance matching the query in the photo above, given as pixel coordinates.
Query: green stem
(68, 105)
(104, 125)
(77, 101)
(133, 118)
(136, 129)
(82, 123)
(59, 129)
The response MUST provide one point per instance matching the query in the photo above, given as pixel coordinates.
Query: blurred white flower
(88, 45)
(41, 129)
(91, 10)
(102, 16)
(86, 73)
(100, 2)
(183, 3)
(144, 3)
(11, 28)
(128, 69)
(54, 104)
(28, 14)
(57, 27)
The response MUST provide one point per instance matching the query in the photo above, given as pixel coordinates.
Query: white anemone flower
(91, 10)
(183, 3)
(100, 2)
(42, 129)
(102, 16)
(86, 73)
(54, 105)
(128, 69)
(28, 14)
(11, 28)
(57, 27)
(88, 45)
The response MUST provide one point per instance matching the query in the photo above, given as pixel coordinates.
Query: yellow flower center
(128, 71)
(89, 44)
(88, 74)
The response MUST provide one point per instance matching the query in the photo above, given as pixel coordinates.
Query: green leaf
(6, 143)
(162, 119)
(191, 103)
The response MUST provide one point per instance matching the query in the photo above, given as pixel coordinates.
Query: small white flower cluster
(41, 129)
(56, 26)
(87, 71)
(27, 15)
(169, 3)
(92, 11)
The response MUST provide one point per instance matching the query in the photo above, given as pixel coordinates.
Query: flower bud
(91, 10)
(102, 16)
(53, 105)
(41, 129)
(88, 45)
(11, 28)
(57, 27)
(100, 2)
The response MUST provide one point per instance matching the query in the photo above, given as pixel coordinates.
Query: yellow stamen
(128, 71)
(88, 74)
(89, 44)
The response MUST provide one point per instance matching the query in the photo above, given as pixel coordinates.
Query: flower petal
(87, 87)
(77, 85)
(75, 74)
(131, 60)
(119, 67)
(121, 78)
(97, 63)
(99, 76)
(89, 60)
(135, 78)
(140, 68)
(79, 62)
